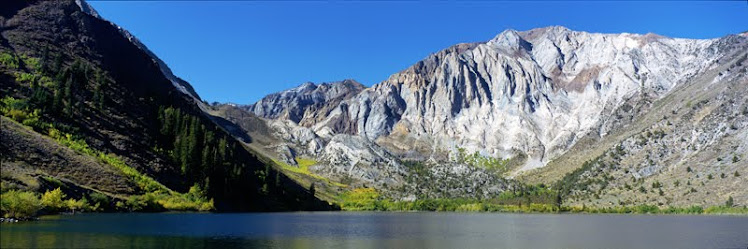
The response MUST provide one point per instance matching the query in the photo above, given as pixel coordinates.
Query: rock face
(307, 103)
(687, 148)
(532, 95)
(536, 92)
(356, 157)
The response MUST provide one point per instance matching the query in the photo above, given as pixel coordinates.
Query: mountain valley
(549, 115)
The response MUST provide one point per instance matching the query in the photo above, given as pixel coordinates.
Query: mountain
(607, 113)
(553, 114)
(88, 108)
(307, 103)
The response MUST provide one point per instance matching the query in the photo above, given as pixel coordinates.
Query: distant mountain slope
(306, 104)
(91, 86)
(687, 148)
(536, 105)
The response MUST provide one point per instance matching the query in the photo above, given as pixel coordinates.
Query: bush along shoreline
(545, 201)
(19, 205)
(480, 206)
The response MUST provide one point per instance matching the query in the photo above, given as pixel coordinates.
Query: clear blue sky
(239, 51)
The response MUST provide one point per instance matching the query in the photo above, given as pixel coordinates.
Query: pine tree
(57, 65)
(180, 142)
(205, 160)
(184, 148)
(222, 146)
(68, 97)
(44, 61)
(57, 104)
(168, 122)
(193, 149)
(161, 118)
(98, 97)
(277, 180)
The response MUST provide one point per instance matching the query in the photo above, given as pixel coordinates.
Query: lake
(376, 230)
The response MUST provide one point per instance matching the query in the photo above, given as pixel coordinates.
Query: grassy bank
(25, 204)
(463, 205)
(368, 199)
(17, 203)
(303, 169)
(21, 204)
(652, 209)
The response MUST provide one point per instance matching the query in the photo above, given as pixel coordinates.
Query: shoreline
(743, 212)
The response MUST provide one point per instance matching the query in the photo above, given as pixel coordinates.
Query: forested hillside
(75, 87)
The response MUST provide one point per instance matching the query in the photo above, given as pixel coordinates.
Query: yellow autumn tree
(53, 200)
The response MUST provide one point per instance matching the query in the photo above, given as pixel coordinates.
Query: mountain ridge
(69, 75)
(599, 118)
(525, 97)
(569, 82)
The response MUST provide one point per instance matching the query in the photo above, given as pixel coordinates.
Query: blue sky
(239, 51)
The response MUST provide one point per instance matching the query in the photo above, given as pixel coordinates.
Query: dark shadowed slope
(81, 80)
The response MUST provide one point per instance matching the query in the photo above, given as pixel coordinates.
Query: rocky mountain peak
(535, 92)
(551, 33)
(86, 8)
(305, 87)
(510, 40)
(305, 101)
(524, 98)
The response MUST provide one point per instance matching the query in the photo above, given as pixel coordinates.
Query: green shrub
(77, 205)
(20, 111)
(647, 209)
(694, 210)
(480, 161)
(193, 200)
(19, 204)
(146, 202)
(9, 60)
(471, 207)
(656, 184)
(7, 186)
(726, 210)
(26, 78)
(99, 200)
(32, 63)
(54, 200)
(360, 199)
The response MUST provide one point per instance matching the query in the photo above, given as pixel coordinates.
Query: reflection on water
(376, 230)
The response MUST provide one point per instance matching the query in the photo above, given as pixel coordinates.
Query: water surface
(376, 230)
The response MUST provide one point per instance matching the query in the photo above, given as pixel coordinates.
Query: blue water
(376, 230)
